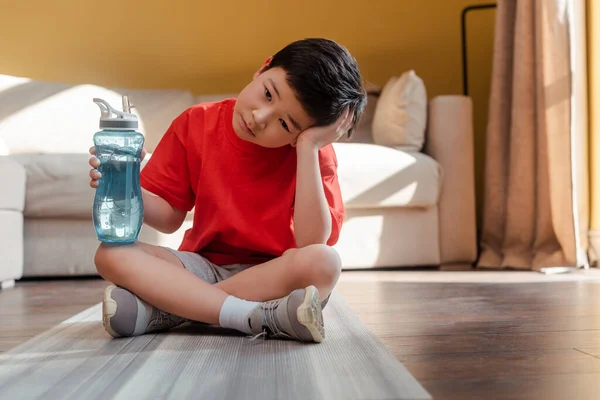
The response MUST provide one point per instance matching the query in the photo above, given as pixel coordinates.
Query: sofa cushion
(49, 117)
(209, 98)
(401, 114)
(58, 185)
(373, 176)
(12, 185)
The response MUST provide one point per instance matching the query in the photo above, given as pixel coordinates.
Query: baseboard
(456, 267)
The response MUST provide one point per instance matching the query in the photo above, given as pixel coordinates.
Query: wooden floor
(463, 335)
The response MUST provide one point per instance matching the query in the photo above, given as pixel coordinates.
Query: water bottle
(118, 210)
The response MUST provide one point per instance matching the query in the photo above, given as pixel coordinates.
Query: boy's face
(267, 111)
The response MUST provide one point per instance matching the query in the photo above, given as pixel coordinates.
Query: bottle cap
(115, 119)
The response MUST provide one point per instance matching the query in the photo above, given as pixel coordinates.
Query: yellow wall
(480, 39)
(215, 47)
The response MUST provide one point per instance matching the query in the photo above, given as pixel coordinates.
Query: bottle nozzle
(104, 108)
(126, 105)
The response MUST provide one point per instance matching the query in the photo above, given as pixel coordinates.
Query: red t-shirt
(242, 193)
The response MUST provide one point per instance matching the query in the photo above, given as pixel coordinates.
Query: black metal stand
(463, 27)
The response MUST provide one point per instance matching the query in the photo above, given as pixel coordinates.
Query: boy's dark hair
(325, 78)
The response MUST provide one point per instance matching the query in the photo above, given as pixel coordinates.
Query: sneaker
(296, 316)
(125, 314)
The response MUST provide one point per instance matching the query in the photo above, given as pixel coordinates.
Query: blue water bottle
(118, 207)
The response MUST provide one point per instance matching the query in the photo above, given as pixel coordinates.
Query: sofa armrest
(450, 142)
(12, 184)
(12, 203)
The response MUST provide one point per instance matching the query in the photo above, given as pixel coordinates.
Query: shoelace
(162, 320)
(270, 327)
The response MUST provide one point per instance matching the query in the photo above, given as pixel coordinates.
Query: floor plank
(474, 343)
(32, 307)
(462, 334)
(542, 387)
(501, 364)
(595, 352)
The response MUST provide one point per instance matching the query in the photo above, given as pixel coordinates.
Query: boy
(260, 173)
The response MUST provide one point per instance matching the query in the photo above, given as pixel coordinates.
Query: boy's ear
(264, 66)
(295, 141)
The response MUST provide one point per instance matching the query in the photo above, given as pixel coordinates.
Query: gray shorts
(206, 270)
(212, 273)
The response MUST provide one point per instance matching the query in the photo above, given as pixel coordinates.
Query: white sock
(235, 313)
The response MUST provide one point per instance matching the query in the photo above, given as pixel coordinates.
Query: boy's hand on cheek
(319, 136)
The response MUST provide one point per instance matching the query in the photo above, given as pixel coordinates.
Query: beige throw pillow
(401, 114)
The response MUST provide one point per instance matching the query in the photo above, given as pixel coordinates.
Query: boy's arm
(160, 215)
(165, 179)
(312, 218)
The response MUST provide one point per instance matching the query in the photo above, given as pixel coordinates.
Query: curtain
(535, 185)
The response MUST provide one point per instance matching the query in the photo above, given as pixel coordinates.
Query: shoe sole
(109, 309)
(310, 315)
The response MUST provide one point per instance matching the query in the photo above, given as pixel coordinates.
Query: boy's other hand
(95, 163)
(319, 136)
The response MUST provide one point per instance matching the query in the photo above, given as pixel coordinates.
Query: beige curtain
(535, 195)
(593, 36)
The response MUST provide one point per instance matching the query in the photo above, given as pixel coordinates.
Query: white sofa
(403, 208)
(12, 203)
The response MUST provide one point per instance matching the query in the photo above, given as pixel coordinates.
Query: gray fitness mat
(78, 360)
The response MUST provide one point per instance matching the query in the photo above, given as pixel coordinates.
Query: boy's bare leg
(317, 265)
(156, 275)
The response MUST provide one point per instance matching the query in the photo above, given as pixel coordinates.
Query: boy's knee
(326, 260)
(108, 259)
(319, 264)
